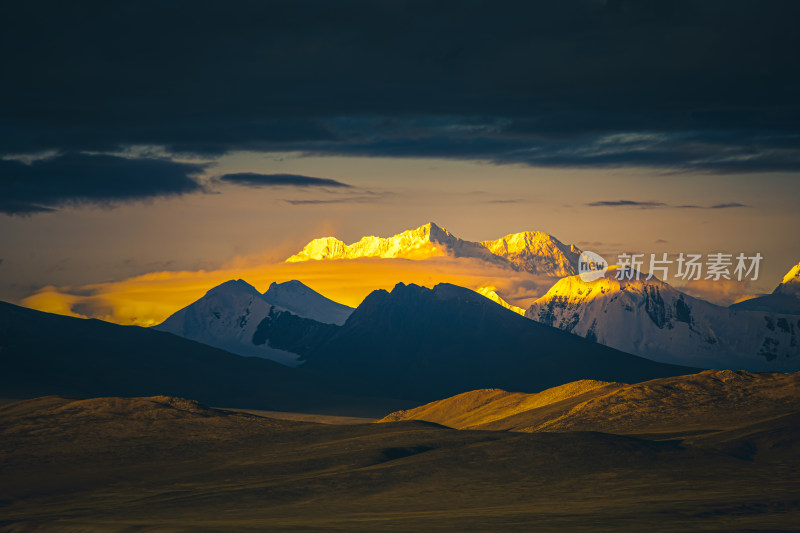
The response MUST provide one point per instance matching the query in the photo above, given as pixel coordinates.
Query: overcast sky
(139, 137)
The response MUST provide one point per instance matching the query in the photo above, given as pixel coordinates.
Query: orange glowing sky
(149, 299)
(136, 263)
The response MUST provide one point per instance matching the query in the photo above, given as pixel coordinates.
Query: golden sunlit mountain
(532, 251)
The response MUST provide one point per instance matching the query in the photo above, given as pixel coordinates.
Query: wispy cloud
(343, 200)
(252, 179)
(625, 203)
(726, 206)
(508, 201)
(653, 204)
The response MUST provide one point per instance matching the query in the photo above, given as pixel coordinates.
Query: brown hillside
(709, 401)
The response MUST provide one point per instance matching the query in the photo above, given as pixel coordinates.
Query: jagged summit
(423, 242)
(531, 251)
(536, 251)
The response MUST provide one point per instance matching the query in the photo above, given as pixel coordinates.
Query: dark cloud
(726, 206)
(648, 205)
(625, 203)
(250, 179)
(46, 184)
(705, 151)
(681, 85)
(344, 200)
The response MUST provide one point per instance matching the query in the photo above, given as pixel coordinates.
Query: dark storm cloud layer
(682, 85)
(98, 179)
(251, 179)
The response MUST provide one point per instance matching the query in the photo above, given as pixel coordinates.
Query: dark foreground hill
(44, 354)
(421, 343)
(166, 464)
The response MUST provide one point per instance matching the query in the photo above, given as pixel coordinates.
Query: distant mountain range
(648, 318)
(531, 251)
(415, 342)
(652, 319)
(412, 344)
(227, 316)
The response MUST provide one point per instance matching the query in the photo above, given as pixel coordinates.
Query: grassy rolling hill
(709, 401)
(167, 464)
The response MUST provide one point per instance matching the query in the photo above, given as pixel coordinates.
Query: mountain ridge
(652, 319)
(530, 251)
(421, 342)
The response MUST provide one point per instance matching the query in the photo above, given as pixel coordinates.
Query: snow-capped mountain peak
(531, 251)
(655, 320)
(536, 251)
(228, 315)
(423, 242)
(573, 289)
(298, 298)
(234, 286)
